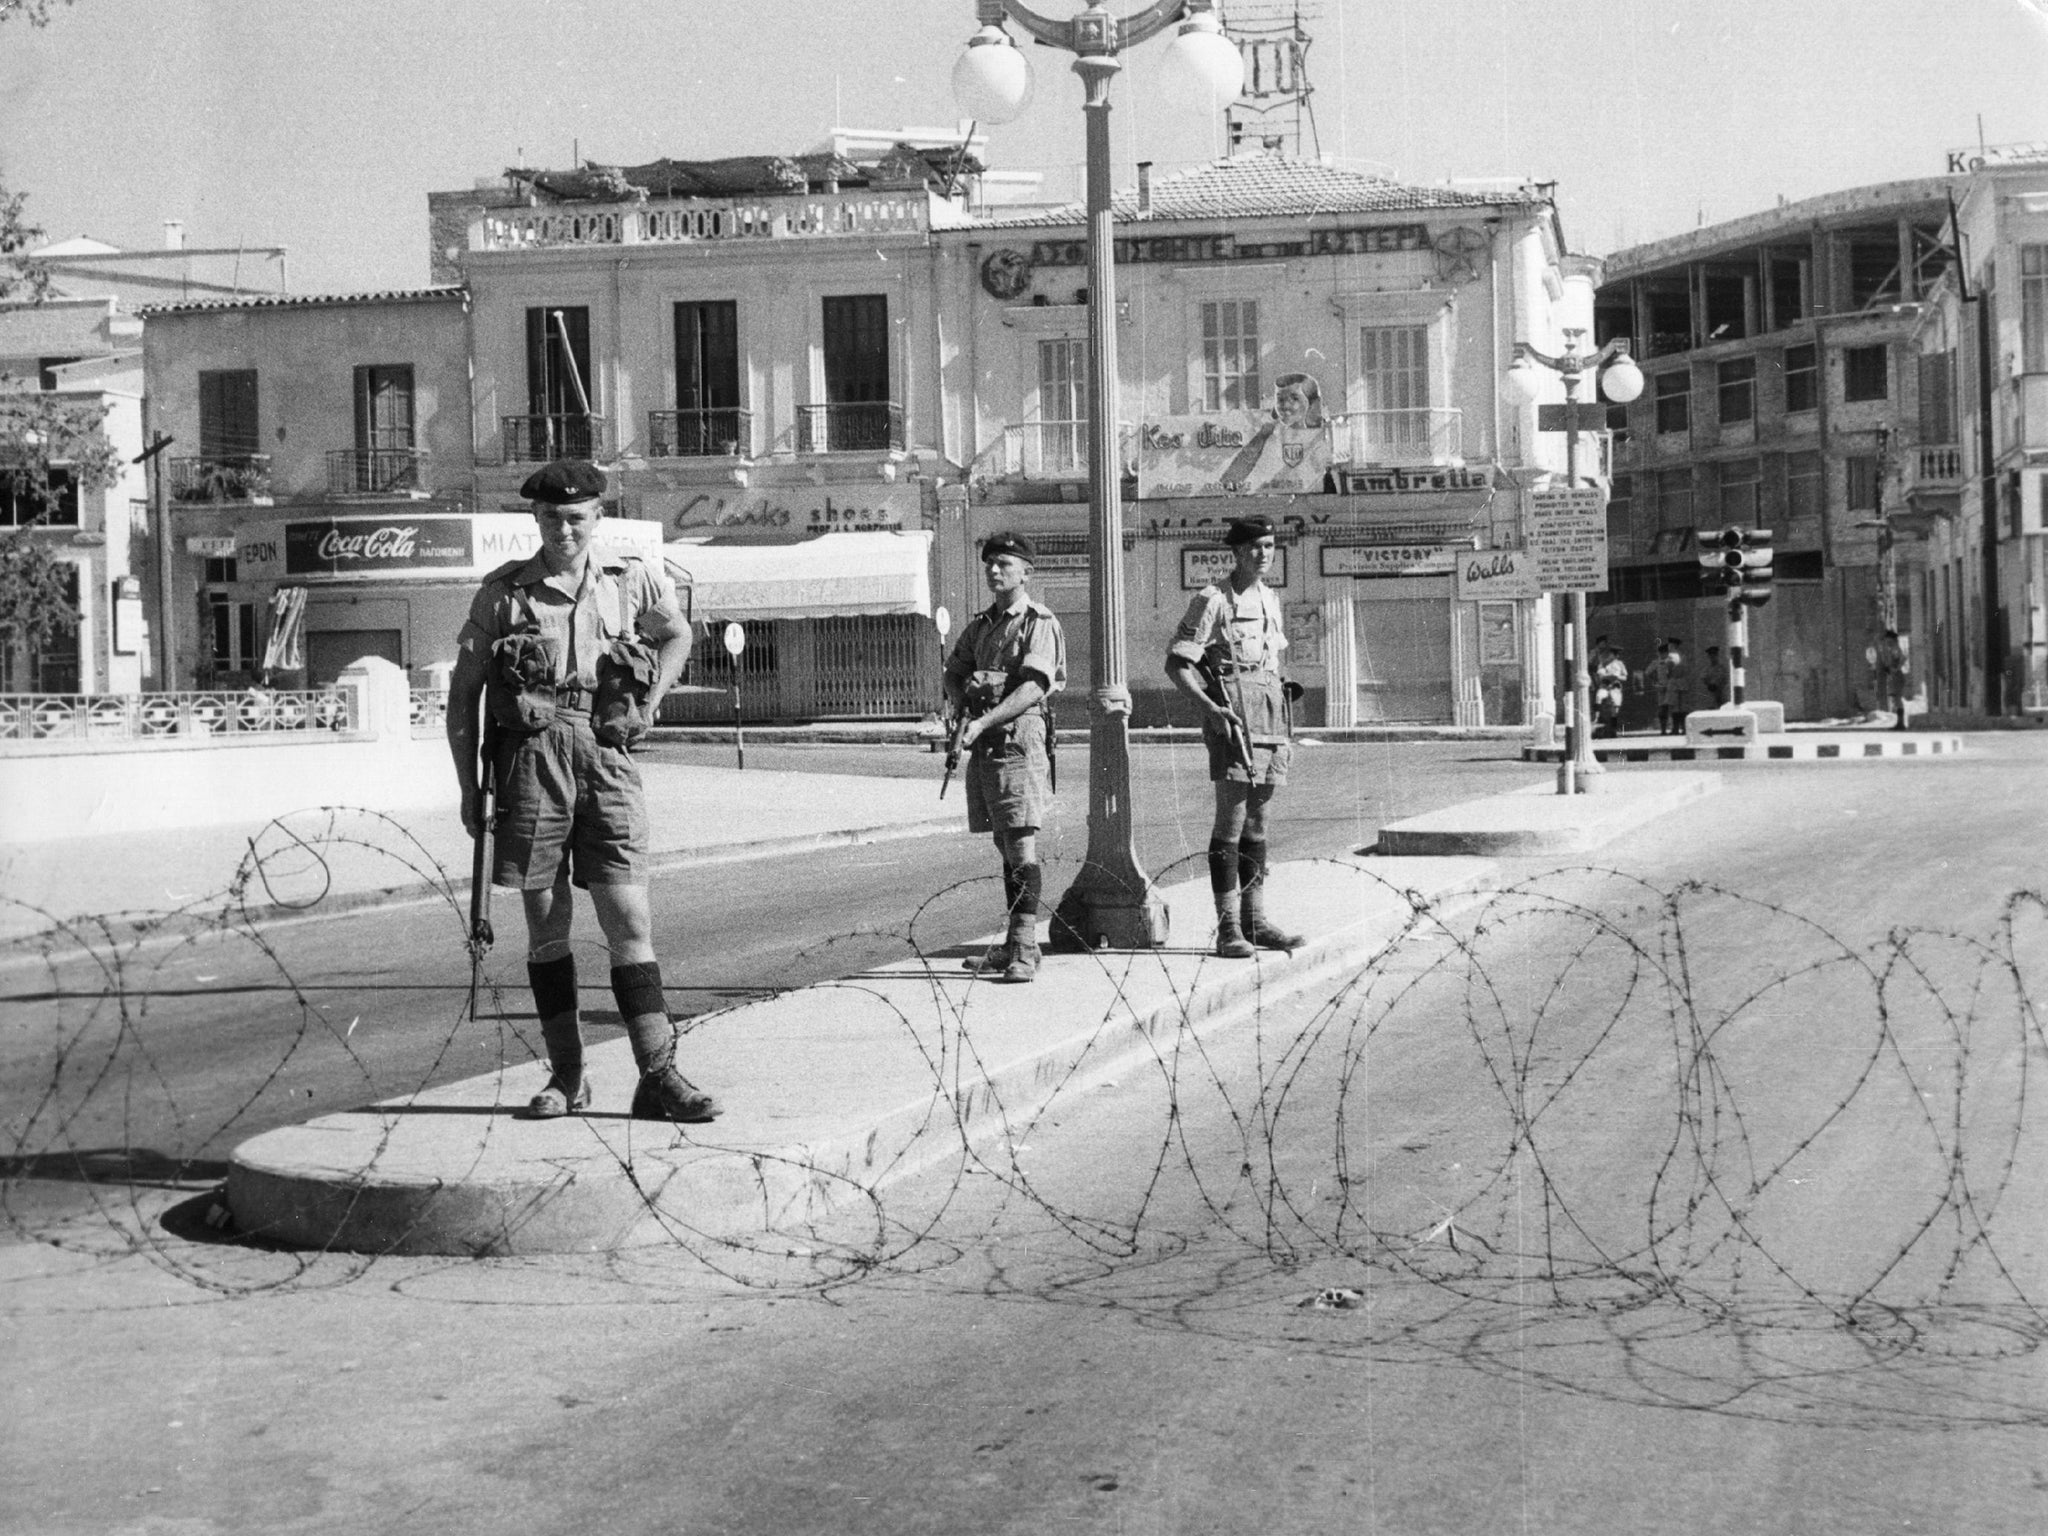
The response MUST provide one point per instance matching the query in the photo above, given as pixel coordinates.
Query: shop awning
(834, 575)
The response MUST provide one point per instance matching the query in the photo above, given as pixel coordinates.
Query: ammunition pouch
(985, 690)
(520, 688)
(625, 676)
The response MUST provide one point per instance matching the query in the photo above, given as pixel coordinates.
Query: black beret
(1007, 543)
(1248, 530)
(564, 482)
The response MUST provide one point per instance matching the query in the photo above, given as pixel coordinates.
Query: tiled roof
(308, 300)
(1274, 186)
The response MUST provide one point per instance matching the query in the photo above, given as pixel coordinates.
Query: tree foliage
(48, 445)
(35, 12)
(21, 281)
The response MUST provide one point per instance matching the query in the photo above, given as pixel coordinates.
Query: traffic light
(1739, 559)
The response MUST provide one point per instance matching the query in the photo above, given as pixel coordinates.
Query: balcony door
(708, 378)
(227, 415)
(559, 396)
(384, 429)
(1062, 404)
(1394, 391)
(856, 348)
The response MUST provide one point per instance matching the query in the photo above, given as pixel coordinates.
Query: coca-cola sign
(363, 546)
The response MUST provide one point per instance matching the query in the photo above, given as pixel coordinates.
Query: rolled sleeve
(1042, 655)
(486, 622)
(1197, 630)
(661, 612)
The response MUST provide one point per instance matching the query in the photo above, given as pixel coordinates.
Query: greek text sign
(1568, 538)
(1497, 573)
(1384, 560)
(502, 536)
(1199, 566)
(376, 545)
(1181, 250)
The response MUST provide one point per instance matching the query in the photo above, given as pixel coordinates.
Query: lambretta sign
(376, 546)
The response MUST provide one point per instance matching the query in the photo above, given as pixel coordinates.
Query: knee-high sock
(554, 999)
(645, 1012)
(1251, 863)
(1024, 910)
(1223, 872)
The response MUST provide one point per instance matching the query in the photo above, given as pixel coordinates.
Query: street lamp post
(1621, 381)
(1111, 902)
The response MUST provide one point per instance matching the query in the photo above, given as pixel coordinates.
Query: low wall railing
(168, 716)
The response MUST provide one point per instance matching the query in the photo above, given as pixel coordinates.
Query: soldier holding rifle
(572, 651)
(1226, 656)
(1010, 658)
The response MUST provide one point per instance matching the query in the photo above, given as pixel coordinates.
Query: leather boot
(1251, 868)
(995, 960)
(1231, 944)
(1260, 933)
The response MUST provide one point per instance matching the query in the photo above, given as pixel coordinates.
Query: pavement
(833, 1091)
(700, 815)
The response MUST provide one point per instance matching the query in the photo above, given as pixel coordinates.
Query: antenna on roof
(1273, 37)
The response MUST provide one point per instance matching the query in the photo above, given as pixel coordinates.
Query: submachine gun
(953, 750)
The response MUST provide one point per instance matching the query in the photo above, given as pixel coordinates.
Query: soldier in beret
(571, 651)
(1226, 656)
(1009, 660)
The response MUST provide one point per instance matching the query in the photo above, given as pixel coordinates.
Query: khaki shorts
(1009, 778)
(1270, 760)
(565, 795)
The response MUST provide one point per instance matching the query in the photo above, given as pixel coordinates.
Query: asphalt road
(1694, 1189)
(155, 1060)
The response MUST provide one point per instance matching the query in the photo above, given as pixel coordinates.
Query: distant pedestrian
(1008, 662)
(572, 652)
(1893, 665)
(1667, 679)
(1610, 678)
(1226, 655)
(1715, 678)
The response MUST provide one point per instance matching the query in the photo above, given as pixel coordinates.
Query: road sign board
(1582, 416)
(735, 639)
(1568, 538)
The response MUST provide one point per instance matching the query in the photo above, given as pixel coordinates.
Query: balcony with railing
(1058, 450)
(243, 477)
(804, 215)
(724, 431)
(539, 439)
(1425, 435)
(862, 426)
(377, 472)
(1936, 467)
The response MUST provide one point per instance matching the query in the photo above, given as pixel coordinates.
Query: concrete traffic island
(830, 1092)
(1537, 820)
(1792, 746)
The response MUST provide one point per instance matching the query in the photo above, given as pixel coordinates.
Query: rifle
(953, 750)
(1240, 732)
(480, 935)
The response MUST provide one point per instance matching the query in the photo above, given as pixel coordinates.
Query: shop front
(394, 584)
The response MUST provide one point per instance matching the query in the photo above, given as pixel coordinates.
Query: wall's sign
(1403, 479)
(376, 546)
(1183, 250)
(1497, 573)
(1200, 565)
(1371, 561)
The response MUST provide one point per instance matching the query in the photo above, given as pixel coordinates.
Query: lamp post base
(1101, 913)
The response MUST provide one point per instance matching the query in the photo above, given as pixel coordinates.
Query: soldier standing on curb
(1226, 656)
(1010, 658)
(572, 653)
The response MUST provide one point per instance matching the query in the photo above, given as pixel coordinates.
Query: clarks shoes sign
(395, 544)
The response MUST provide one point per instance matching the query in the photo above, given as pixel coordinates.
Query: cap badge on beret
(565, 482)
(1248, 530)
(1007, 543)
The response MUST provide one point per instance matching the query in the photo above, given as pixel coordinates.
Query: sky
(322, 127)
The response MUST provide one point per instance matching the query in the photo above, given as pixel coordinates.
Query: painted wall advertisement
(780, 513)
(398, 546)
(1235, 453)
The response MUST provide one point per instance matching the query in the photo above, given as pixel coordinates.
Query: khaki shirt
(1013, 643)
(584, 616)
(1243, 630)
